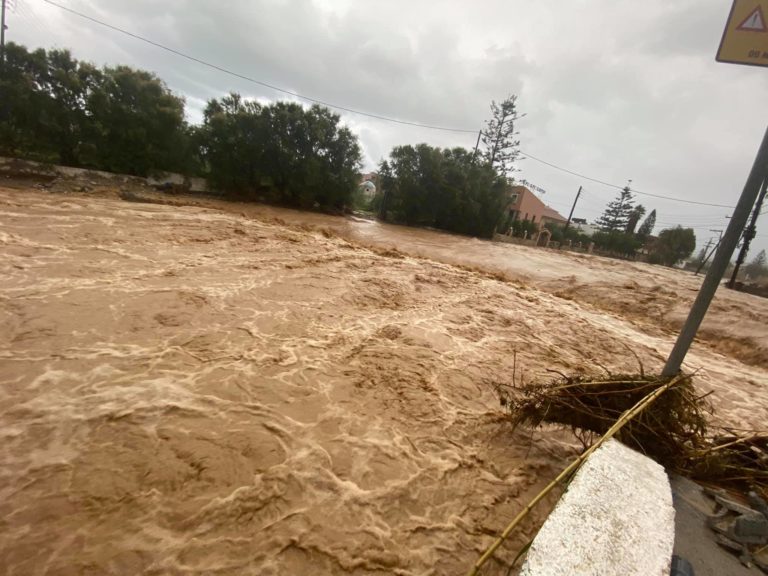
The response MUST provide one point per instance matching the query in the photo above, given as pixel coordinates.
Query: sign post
(720, 262)
(745, 41)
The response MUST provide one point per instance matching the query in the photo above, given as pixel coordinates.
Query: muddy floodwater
(233, 389)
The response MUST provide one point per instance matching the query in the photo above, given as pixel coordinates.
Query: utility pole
(708, 257)
(572, 209)
(2, 40)
(749, 234)
(756, 178)
(704, 256)
(477, 144)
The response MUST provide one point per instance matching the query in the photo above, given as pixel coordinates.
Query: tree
(617, 214)
(758, 267)
(525, 229)
(25, 105)
(441, 188)
(617, 243)
(311, 159)
(501, 147)
(386, 184)
(561, 235)
(646, 228)
(138, 124)
(282, 152)
(56, 109)
(672, 246)
(232, 143)
(69, 86)
(634, 218)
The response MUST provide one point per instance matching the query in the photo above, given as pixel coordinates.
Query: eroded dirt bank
(189, 390)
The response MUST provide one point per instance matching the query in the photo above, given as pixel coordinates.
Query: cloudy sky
(612, 89)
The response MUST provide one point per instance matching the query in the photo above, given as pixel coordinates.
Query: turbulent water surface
(224, 389)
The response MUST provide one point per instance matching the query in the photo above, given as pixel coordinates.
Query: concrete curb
(615, 518)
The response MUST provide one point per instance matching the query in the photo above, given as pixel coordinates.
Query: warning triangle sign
(755, 22)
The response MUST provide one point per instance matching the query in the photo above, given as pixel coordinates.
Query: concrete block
(616, 518)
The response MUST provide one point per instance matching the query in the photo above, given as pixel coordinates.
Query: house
(369, 177)
(581, 225)
(525, 205)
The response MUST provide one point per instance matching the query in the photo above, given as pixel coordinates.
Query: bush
(672, 246)
(520, 227)
(617, 243)
(561, 235)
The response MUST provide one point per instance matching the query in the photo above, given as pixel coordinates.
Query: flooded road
(237, 389)
(657, 299)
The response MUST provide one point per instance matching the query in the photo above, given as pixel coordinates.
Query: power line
(556, 167)
(253, 80)
(692, 220)
(685, 225)
(688, 216)
(668, 219)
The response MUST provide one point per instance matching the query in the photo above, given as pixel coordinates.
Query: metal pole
(720, 262)
(572, 209)
(749, 234)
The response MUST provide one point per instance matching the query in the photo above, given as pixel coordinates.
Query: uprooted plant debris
(676, 430)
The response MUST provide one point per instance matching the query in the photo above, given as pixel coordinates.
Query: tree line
(620, 234)
(56, 109)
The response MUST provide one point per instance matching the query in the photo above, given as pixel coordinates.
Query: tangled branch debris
(611, 432)
(675, 430)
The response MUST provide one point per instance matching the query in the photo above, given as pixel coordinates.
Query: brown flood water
(231, 389)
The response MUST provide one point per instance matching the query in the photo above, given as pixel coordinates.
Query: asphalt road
(694, 541)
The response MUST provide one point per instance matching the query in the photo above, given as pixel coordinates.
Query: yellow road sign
(745, 39)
